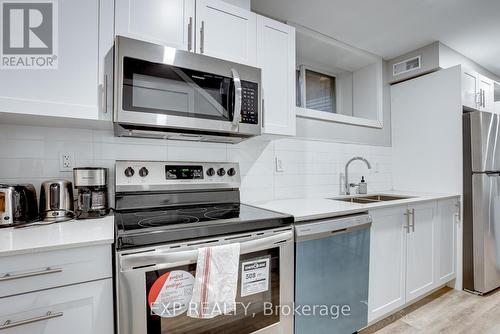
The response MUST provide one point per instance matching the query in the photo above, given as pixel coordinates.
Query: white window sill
(338, 118)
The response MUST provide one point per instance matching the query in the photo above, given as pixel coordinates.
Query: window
(316, 90)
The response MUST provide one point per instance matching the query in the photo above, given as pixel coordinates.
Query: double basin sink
(368, 199)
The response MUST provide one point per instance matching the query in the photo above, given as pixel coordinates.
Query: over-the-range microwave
(163, 92)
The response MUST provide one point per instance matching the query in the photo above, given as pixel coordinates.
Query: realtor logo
(29, 35)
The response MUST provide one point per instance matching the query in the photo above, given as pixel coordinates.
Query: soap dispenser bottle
(363, 186)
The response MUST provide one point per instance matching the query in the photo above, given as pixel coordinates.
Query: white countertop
(304, 209)
(74, 233)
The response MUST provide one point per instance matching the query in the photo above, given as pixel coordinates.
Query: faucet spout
(347, 184)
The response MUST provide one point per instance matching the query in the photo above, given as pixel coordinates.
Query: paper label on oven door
(171, 293)
(254, 276)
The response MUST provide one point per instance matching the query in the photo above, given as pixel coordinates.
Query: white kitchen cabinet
(387, 262)
(276, 58)
(85, 308)
(412, 252)
(470, 98)
(166, 22)
(486, 90)
(72, 89)
(448, 215)
(45, 270)
(226, 31)
(421, 253)
(477, 91)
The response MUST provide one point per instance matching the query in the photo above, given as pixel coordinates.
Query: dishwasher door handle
(304, 236)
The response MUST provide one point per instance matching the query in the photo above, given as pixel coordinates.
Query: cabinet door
(276, 58)
(387, 262)
(446, 225)
(166, 22)
(470, 96)
(226, 31)
(421, 252)
(486, 90)
(71, 90)
(78, 309)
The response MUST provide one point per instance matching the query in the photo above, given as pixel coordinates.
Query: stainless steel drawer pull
(47, 271)
(49, 315)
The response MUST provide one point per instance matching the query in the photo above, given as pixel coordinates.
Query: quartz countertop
(69, 234)
(305, 209)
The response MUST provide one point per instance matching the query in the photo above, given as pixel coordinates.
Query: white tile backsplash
(311, 168)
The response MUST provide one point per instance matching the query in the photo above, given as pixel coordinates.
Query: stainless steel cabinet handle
(202, 37)
(49, 315)
(478, 99)
(483, 97)
(47, 271)
(237, 99)
(412, 220)
(190, 34)
(407, 226)
(458, 214)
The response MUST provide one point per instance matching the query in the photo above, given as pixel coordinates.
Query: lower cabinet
(412, 252)
(85, 308)
(387, 262)
(421, 245)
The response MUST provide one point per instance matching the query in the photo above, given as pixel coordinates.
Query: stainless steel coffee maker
(91, 184)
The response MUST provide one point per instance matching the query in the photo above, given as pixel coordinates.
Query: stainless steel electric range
(165, 212)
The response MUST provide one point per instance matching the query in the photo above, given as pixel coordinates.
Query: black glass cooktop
(146, 227)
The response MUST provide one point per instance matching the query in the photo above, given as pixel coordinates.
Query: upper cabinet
(226, 31)
(477, 91)
(166, 22)
(71, 89)
(276, 58)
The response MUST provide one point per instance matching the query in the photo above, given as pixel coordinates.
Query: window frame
(303, 112)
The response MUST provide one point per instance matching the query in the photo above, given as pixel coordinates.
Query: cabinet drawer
(32, 272)
(85, 308)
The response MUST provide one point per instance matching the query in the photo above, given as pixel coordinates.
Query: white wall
(312, 168)
(365, 92)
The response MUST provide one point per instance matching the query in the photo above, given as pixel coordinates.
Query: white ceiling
(390, 28)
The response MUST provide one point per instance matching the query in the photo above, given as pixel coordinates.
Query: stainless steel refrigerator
(481, 218)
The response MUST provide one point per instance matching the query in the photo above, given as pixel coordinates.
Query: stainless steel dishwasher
(331, 275)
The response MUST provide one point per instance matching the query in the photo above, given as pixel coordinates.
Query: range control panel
(159, 175)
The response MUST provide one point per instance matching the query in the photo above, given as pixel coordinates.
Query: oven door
(141, 273)
(157, 86)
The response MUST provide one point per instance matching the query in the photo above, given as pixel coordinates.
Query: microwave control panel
(250, 103)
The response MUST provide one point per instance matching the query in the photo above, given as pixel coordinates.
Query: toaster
(18, 204)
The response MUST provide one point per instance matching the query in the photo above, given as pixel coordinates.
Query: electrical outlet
(280, 168)
(66, 161)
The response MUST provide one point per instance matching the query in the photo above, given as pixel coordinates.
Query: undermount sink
(371, 198)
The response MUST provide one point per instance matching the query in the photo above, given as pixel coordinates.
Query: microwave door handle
(129, 262)
(237, 99)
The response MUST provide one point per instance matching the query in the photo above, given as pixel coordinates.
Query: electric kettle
(56, 201)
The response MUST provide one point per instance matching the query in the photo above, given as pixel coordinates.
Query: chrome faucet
(347, 185)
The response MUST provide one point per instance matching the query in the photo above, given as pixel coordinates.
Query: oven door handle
(132, 261)
(237, 99)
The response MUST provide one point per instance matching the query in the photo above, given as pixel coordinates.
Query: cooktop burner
(135, 220)
(146, 227)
